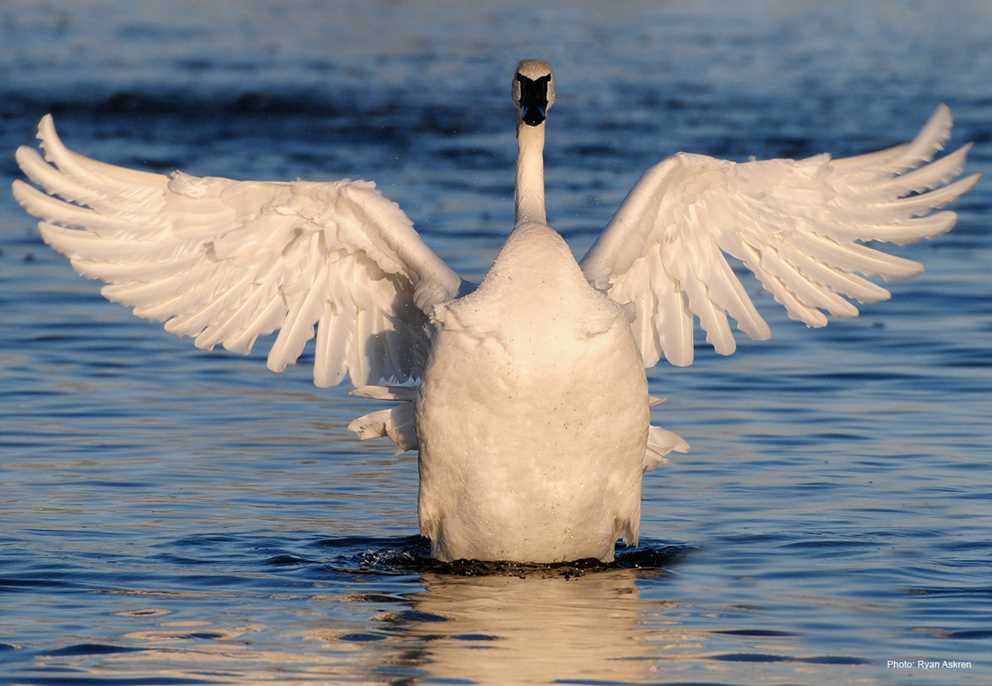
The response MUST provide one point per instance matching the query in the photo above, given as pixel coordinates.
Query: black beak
(533, 99)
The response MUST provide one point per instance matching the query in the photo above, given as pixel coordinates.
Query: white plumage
(225, 262)
(798, 225)
(529, 403)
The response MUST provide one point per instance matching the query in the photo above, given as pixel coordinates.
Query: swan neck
(530, 174)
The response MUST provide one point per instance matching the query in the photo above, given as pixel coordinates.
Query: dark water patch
(754, 632)
(593, 150)
(469, 156)
(847, 437)
(984, 592)
(834, 660)
(419, 616)
(309, 121)
(363, 637)
(345, 543)
(474, 637)
(377, 598)
(7, 646)
(201, 541)
(11, 584)
(964, 546)
(767, 657)
(152, 103)
(751, 657)
(412, 555)
(77, 533)
(91, 649)
(972, 634)
(102, 483)
(287, 560)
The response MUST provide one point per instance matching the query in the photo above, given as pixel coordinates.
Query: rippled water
(169, 516)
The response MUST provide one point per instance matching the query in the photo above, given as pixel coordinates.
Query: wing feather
(924, 202)
(928, 142)
(84, 245)
(95, 174)
(225, 262)
(935, 174)
(798, 225)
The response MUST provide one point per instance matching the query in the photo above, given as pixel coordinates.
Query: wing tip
(943, 120)
(725, 348)
(24, 193)
(907, 269)
(276, 365)
(969, 182)
(679, 361)
(761, 332)
(16, 187)
(46, 129)
(23, 156)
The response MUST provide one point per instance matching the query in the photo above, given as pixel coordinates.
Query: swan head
(533, 91)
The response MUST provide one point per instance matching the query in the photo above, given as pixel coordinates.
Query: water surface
(169, 516)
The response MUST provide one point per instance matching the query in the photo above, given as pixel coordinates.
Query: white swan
(532, 417)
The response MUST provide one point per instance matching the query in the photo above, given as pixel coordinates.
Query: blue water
(169, 516)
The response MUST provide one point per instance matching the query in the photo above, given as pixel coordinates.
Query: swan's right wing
(227, 261)
(797, 225)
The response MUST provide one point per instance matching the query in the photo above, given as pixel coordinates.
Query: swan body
(526, 396)
(533, 414)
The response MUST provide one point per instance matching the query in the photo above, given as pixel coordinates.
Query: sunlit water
(169, 516)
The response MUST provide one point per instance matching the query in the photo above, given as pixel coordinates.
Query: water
(169, 516)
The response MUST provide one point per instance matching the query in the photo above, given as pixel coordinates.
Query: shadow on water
(411, 555)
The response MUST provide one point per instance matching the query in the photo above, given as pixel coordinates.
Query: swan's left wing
(226, 261)
(798, 225)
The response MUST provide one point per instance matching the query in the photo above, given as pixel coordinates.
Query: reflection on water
(542, 626)
(169, 516)
(533, 629)
(495, 629)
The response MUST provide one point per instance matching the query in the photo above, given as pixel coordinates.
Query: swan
(525, 394)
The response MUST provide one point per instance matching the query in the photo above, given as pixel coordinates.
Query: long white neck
(530, 174)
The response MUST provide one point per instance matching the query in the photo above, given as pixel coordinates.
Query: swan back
(534, 285)
(533, 414)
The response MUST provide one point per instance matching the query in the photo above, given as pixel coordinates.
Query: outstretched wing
(798, 225)
(228, 261)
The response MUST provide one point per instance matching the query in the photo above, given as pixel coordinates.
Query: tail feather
(660, 443)
(397, 423)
